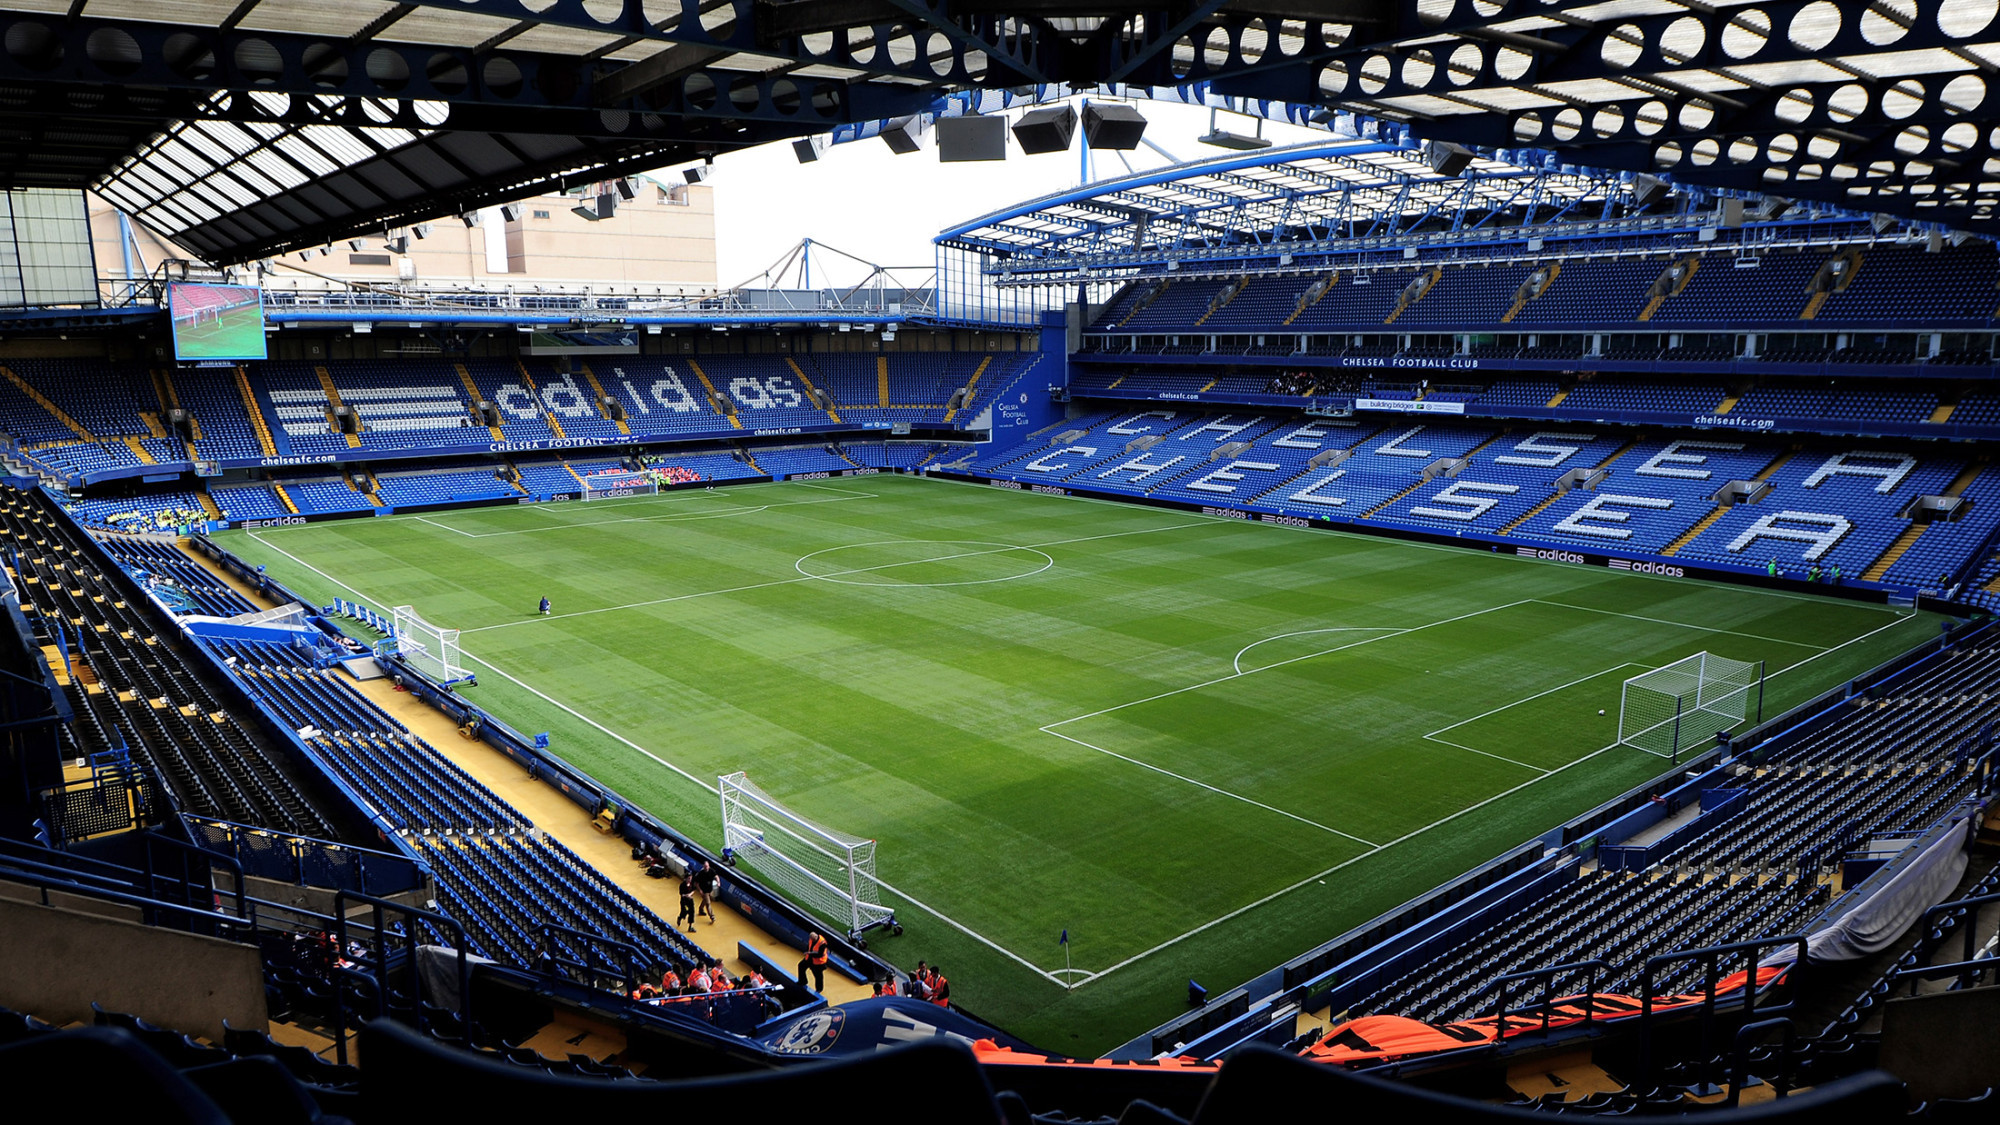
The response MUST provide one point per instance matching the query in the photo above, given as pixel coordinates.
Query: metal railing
(1711, 959)
(1545, 1007)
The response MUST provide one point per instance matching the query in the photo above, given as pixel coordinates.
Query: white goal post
(433, 651)
(610, 486)
(1685, 704)
(825, 870)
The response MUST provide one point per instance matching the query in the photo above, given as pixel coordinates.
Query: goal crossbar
(826, 870)
(432, 650)
(612, 485)
(1687, 703)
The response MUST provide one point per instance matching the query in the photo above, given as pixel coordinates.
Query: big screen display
(216, 321)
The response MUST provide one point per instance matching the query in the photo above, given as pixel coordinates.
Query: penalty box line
(1310, 879)
(1433, 735)
(933, 911)
(1050, 729)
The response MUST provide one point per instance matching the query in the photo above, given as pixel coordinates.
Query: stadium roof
(1272, 197)
(244, 127)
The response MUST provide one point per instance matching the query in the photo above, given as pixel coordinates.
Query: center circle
(923, 562)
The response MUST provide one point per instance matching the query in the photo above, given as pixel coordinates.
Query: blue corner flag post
(1064, 939)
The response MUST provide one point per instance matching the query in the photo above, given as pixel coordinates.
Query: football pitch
(1200, 746)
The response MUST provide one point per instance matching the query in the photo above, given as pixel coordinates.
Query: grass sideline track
(1199, 745)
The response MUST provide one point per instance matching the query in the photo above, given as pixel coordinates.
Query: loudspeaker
(1729, 213)
(511, 212)
(1446, 158)
(627, 189)
(807, 149)
(1882, 223)
(1045, 130)
(904, 135)
(1648, 190)
(1112, 125)
(971, 138)
(607, 204)
(696, 174)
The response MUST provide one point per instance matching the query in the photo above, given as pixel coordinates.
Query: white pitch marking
(608, 732)
(812, 578)
(1680, 624)
(1054, 977)
(1339, 533)
(1282, 663)
(1280, 893)
(1433, 736)
(835, 576)
(1283, 891)
(1237, 664)
(1211, 788)
(447, 527)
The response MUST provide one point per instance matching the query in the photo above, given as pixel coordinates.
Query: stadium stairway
(1908, 539)
(597, 389)
(475, 395)
(254, 404)
(720, 403)
(42, 401)
(812, 393)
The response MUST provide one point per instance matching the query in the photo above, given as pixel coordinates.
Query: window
(541, 214)
(368, 259)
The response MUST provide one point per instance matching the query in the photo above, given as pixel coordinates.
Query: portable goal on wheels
(1687, 703)
(610, 486)
(429, 649)
(825, 870)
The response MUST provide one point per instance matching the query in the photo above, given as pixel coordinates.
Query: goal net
(1685, 704)
(825, 870)
(608, 486)
(431, 650)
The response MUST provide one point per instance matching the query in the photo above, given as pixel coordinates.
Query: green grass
(1200, 745)
(236, 334)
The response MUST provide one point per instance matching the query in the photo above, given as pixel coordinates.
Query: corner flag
(1064, 939)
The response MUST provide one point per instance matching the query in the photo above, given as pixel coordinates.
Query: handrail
(376, 956)
(1966, 974)
(225, 924)
(1739, 1053)
(1711, 960)
(1548, 977)
(592, 944)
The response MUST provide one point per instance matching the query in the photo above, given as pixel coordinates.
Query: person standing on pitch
(545, 607)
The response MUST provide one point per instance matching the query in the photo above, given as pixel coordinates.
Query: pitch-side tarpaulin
(1874, 923)
(1381, 1038)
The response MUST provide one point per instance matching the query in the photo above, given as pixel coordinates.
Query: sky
(865, 200)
